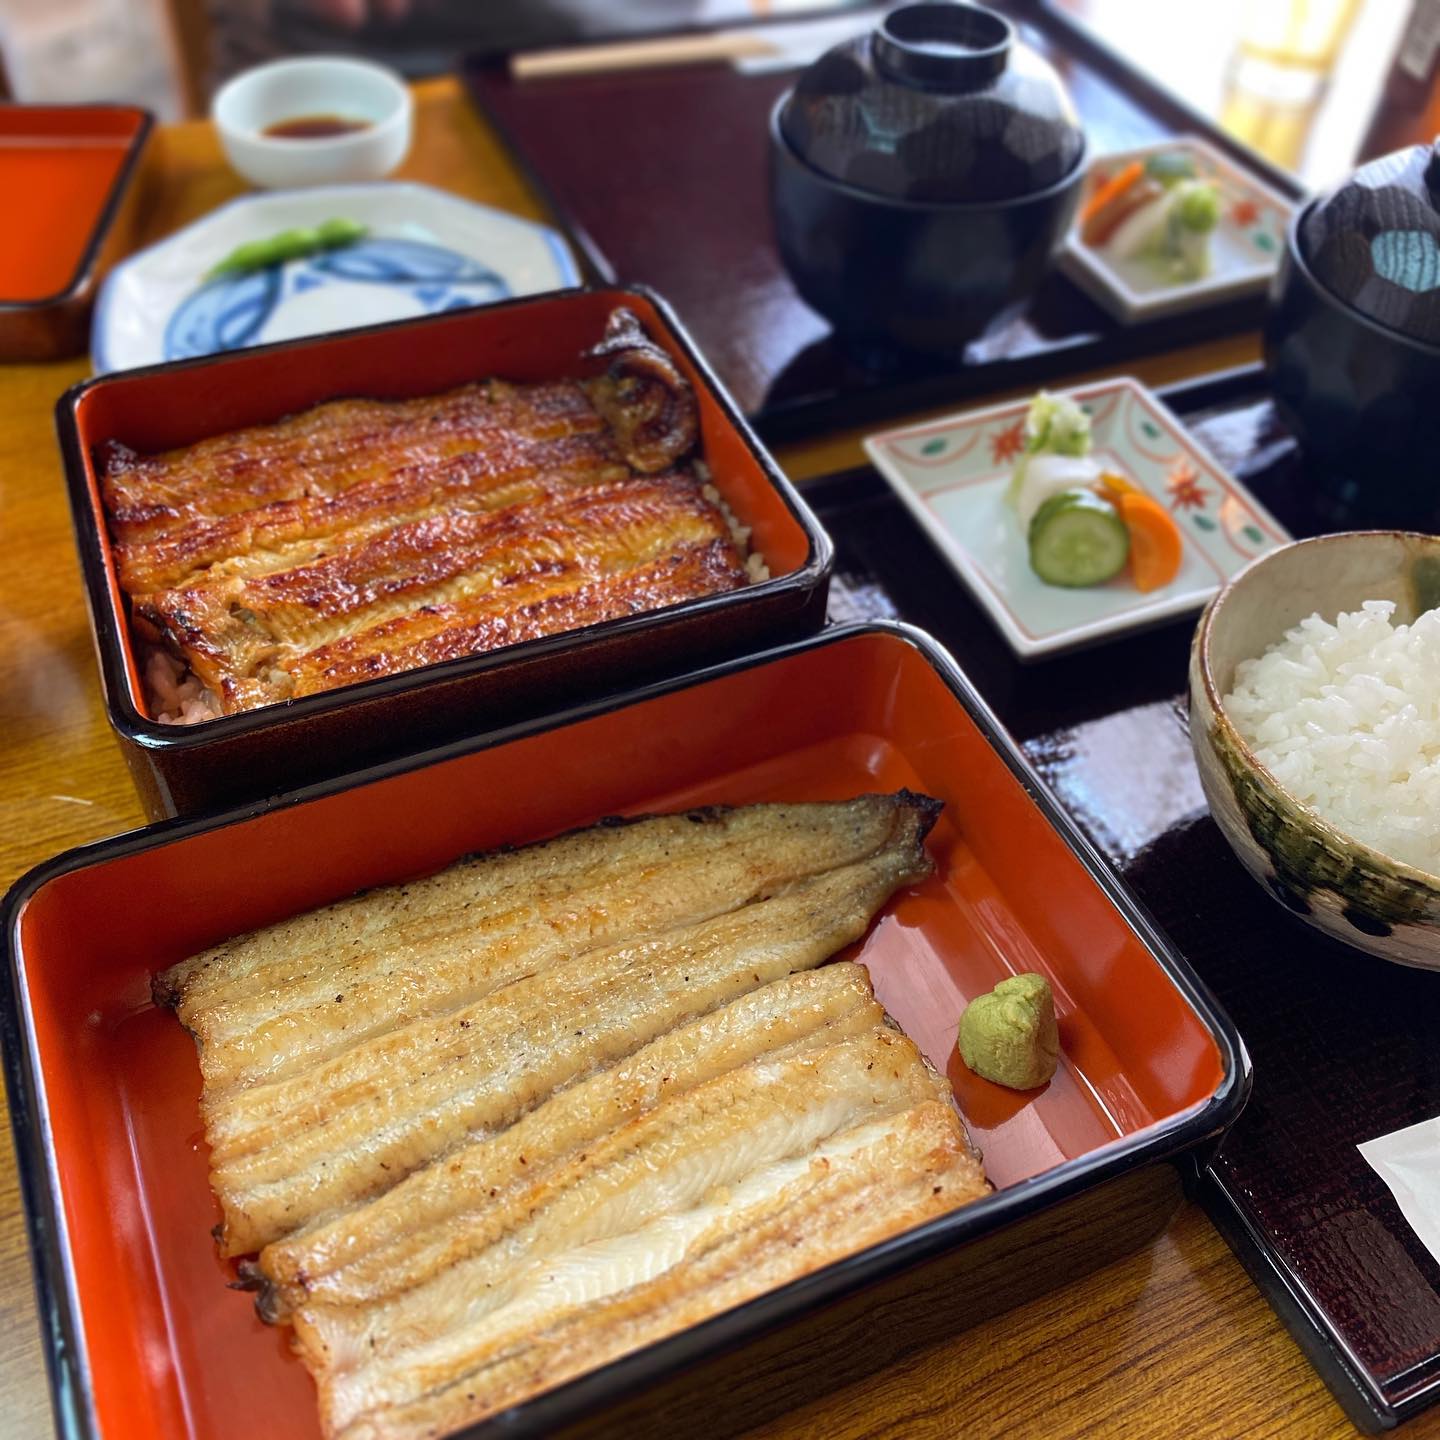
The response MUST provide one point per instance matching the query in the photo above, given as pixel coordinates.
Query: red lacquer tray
(182, 769)
(68, 172)
(146, 1341)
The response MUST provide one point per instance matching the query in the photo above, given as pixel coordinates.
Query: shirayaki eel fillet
(442, 1213)
(588, 1093)
(601, 1300)
(580, 952)
(263, 1006)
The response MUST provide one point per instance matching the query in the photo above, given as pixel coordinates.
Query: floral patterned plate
(952, 476)
(1245, 247)
(425, 251)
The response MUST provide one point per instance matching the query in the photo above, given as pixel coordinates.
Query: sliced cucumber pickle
(1170, 167)
(1078, 538)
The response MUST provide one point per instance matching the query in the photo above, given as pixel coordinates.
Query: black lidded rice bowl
(910, 277)
(1358, 394)
(914, 242)
(179, 769)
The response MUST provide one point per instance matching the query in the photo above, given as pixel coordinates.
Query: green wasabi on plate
(294, 244)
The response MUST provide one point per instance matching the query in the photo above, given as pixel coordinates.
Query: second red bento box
(146, 1342)
(180, 769)
(68, 173)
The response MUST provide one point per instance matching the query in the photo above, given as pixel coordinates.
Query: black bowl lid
(939, 102)
(1374, 241)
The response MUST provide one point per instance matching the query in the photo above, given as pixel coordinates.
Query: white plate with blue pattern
(425, 252)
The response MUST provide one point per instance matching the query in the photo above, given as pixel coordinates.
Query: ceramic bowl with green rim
(1337, 883)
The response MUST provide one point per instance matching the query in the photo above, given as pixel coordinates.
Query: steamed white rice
(1347, 719)
(173, 695)
(756, 569)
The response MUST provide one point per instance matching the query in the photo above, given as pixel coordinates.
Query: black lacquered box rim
(1172, 1139)
(140, 730)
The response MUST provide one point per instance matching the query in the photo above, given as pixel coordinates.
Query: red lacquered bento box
(68, 172)
(180, 769)
(147, 1343)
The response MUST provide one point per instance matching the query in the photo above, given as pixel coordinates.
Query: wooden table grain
(1170, 1341)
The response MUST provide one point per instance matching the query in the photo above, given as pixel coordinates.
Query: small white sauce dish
(320, 85)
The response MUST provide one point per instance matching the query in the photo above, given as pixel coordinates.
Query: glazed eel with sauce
(491, 1129)
(361, 538)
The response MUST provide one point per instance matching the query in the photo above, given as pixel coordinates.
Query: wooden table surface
(1173, 1340)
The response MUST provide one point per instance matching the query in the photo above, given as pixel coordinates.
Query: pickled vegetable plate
(953, 475)
(1244, 246)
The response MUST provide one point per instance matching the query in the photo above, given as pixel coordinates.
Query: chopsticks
(669, 50)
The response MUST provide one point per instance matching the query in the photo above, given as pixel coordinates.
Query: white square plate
(952, 475)
(1245, 246)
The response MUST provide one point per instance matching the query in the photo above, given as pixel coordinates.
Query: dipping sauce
(313, 127)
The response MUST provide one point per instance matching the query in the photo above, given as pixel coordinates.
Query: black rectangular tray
(1344, 1045)
(660, 176)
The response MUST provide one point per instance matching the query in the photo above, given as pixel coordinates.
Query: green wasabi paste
(1010, 1036)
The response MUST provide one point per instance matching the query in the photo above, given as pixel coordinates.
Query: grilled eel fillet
(345, 1048)
(365, 537)
(759, 1175)
(497, 1126)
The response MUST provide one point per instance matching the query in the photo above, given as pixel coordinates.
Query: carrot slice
(1112, 189)
(1115, 485)
(1156, 547)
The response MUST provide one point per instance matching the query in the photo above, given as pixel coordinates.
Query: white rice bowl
(1346, 717)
